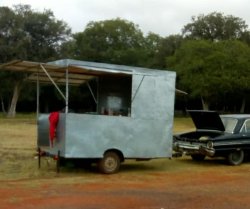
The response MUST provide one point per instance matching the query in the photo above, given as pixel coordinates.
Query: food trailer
(127, 112)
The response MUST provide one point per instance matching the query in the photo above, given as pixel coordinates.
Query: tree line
(211, 55)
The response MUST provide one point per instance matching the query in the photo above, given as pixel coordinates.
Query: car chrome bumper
(207, 151)
(190, 149)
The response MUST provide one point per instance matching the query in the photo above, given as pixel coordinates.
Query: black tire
(110, 163)
(236, 157)
(198, 157)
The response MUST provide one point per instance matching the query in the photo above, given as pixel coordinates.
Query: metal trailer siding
(89, 136)
(154, 98)
(43, 130)
(147, 133)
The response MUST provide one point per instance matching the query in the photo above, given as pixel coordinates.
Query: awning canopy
(77, 74)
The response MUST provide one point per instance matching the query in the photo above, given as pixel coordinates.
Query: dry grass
(18, 158)
(18, 149)
(183, 124)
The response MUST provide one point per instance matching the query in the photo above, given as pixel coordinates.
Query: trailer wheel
(236, 157)
(110, 163)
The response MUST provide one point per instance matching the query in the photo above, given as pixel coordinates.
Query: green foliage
(210, 69)
(216, 26)
(113, 41)
(68, 49)
(121, 42)
(214, 66)
(27, 35)
(152, 43)
(211, 57)
(30, 35)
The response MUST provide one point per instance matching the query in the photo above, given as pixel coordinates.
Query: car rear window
(229, 124)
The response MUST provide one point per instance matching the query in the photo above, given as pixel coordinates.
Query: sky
(163, 17)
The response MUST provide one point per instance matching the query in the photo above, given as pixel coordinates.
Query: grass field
(159, 183)
(18, 158)
(18, 148)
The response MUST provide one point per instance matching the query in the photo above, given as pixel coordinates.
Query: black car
(216, 136)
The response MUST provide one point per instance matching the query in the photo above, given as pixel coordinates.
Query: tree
(236, 66)
(217, 62)
(210, 69)
(68, 49)
(158, 48)
(215, 27)
(189, 63)
(167, 47)
(151, 49)
(113, 41)
(28, 35)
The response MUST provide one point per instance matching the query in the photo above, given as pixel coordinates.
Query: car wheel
(198, 157)
(236, 157)
(110, 163)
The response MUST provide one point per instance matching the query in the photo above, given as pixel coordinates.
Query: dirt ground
(156, 184)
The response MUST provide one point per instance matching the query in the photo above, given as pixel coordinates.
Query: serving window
(102, 95)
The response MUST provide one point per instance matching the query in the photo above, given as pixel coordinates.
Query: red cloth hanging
(53, 121)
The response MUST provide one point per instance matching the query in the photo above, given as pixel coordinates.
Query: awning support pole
(138, 88)
(58, 89)
(91, 92)
(37, 95)
(67, 91)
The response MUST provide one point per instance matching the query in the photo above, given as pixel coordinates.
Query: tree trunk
(243, 105)
(2, 104)
(12, 109)
(205, 104)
